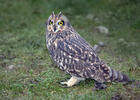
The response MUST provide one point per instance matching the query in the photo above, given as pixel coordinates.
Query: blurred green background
(26, 70)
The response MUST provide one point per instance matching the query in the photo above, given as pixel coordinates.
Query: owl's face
(57, 23)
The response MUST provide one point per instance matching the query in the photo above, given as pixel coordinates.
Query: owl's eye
(61, 23)
(50, 22)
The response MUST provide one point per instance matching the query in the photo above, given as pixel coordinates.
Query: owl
(75, 56)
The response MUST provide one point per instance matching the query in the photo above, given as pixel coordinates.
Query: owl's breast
(53, 45)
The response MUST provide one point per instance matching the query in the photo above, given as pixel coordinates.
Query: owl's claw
(64, 84)
(99, 86)
(71, 82)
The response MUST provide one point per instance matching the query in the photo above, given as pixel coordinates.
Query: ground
(26, 70)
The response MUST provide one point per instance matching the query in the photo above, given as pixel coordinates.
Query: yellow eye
(51, 22)
(61, 23)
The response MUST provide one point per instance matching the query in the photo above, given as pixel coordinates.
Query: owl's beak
(54, 28)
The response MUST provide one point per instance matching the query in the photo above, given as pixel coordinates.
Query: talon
(99, 86)
(71, 82)
(64, 84)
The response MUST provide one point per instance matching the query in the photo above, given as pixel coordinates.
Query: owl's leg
(99, 86)
(72, 81)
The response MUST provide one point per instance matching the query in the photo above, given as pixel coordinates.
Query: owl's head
(57, 23)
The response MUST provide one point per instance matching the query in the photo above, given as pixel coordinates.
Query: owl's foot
(64, 84)
(99, 86)
(72, 81)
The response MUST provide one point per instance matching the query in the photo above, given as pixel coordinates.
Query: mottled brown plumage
(74, 55)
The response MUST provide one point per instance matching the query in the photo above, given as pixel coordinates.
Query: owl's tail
(119, 77)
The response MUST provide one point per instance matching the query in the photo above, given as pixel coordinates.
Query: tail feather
(119, 77)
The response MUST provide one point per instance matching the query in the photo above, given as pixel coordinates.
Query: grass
(34, 76)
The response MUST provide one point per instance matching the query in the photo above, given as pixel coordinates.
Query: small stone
(121, 40)
(90, 16)
(102, 29)
(10, 67)
(101, 44)
(95, 47)
(96, 20)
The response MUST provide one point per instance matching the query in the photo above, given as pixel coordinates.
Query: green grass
(35, 77)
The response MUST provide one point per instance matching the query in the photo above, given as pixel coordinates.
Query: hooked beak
(54, 28)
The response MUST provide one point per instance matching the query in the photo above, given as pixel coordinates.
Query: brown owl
(75, 56)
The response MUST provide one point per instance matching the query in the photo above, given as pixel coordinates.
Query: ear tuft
(53, 14)
(60, 14)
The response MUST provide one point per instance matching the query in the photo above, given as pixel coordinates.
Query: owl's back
(75, 56)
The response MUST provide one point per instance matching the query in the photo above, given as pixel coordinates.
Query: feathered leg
(72, 81)
(99, 86)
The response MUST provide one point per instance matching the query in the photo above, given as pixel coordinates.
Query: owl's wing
(79, 58)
